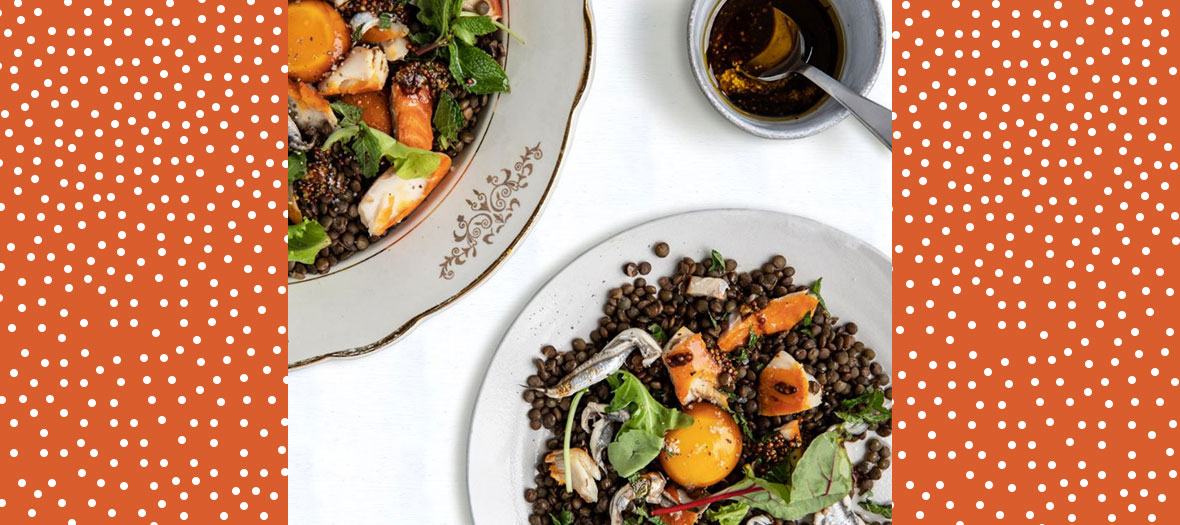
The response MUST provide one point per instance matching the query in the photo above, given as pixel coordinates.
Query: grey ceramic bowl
(863, 26)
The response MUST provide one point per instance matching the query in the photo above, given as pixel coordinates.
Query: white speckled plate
(470, 223)
(502, 449)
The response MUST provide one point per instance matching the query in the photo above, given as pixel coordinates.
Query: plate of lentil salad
(677, 373)
(423, 139)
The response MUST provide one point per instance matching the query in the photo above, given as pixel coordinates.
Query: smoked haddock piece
(779, 315)
(784, 387)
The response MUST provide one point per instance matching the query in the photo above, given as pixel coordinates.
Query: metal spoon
(788, 53)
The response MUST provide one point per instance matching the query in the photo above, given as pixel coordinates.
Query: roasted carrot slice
(376, 35)
(692, 369)
(784, 387)
(779, 315)
(317, 37)
(376, 109)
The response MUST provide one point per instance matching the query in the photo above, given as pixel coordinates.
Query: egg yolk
(706, 451)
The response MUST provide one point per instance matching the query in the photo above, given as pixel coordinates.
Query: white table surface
(382, 438)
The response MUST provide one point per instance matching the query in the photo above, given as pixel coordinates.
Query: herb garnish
(565, 518)
(371, 146)
(868, 407)
(385, 20)
(657, 333)
(877, 508)
(472, 67)
(305, 240)
(350, 115)
(744, 355)
(742, 423)
(641, 438)
(296, 166)
(815, 291)
(448, 120)
(713, 320)
(718, 262)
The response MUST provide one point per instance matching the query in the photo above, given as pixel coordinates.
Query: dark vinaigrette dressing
(743, 28)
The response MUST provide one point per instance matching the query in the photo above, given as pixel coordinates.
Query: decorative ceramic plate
(502, 450)
(470, 223)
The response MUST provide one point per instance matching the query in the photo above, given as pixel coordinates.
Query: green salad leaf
(448, 119)
(296, 166)
(731, 514)
(868, 407)
(877, 508)
(640, 439)
(305, 240)
(475, 69)
(371, 146)
(822, 477)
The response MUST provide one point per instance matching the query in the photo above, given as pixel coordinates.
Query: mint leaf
(466, 28)
(438, 14)
(448, 120)
(350, 115)
(367, 150)
(731, 514)
(305, 240)
(296, 166)
(476, 70)
(641, 438)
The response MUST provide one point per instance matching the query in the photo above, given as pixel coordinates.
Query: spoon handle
(877, 118)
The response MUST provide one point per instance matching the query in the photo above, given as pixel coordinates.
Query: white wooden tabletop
(382, 438)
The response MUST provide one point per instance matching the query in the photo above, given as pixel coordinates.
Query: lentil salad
(382, 95)
(726, 392)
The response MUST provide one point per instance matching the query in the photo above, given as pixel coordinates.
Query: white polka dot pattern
(1035, 252)
(142, 299)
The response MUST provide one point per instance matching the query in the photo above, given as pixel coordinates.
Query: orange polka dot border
(1036, 248)
(142, 302)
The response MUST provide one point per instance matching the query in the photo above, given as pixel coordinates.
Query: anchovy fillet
(608, 361)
